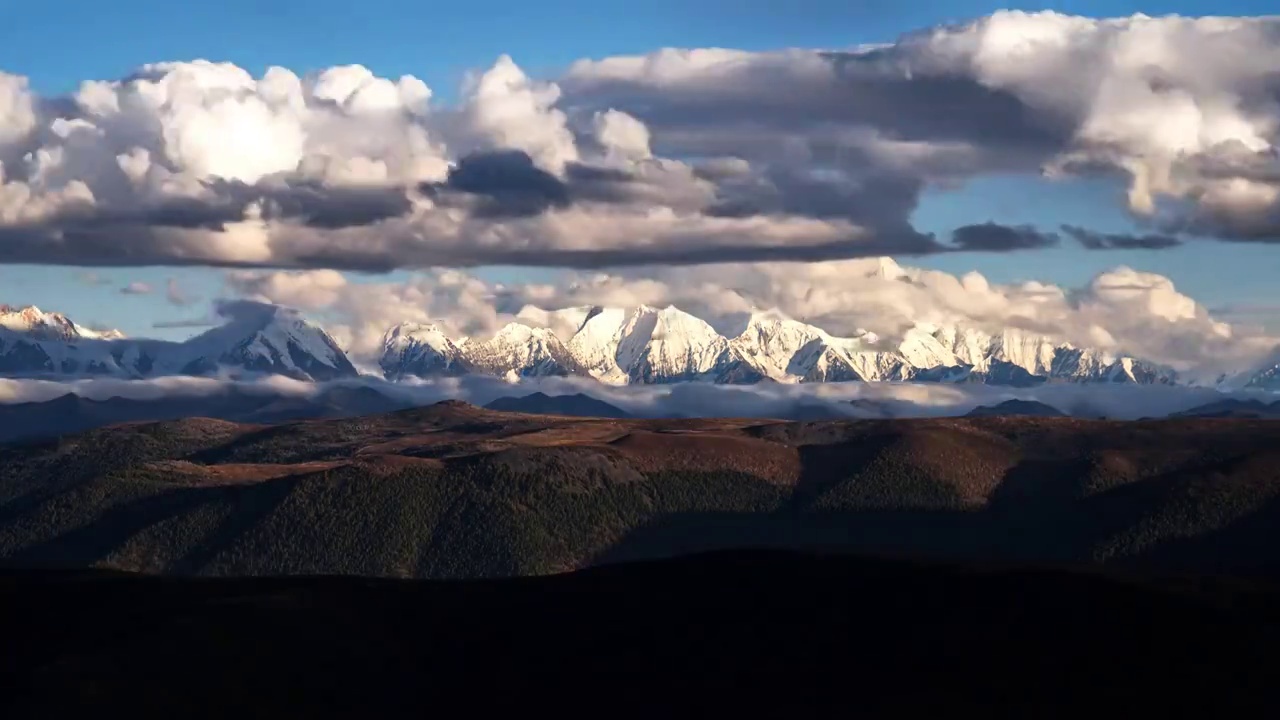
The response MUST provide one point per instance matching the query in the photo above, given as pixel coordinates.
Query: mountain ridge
(455, 490)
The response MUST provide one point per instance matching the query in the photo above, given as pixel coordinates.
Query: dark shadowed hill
(72, 413)
(453, 490)
(578, 405)
(1015, 407)
(1233, 407)
(743, 634)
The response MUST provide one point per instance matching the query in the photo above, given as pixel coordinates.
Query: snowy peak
(518, 350)
(786, 350)
(664, 345)
(921, 348)
(419, 349)
(36, 343)
(667, 345)
(1017, 357)
(595, 345)
(1264, 376)
(36, 324)
(262, 338)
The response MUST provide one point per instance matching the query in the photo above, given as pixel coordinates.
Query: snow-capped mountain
(257, 338)
(649, 345)
(595, 345)
(1266, 377)
(642, 345)
(769, 345)
(518, 350)
(667, 345)
(39, 325)
(260, 338)
(35, 342)
(421, 350)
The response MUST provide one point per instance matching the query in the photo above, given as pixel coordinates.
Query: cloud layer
(851, 400)
(680, 156)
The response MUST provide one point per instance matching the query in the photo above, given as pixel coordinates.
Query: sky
(156, 286)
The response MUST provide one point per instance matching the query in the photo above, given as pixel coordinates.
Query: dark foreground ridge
(748, 630)
(453, 491)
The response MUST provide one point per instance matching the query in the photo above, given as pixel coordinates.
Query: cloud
(509, 181)
(136, 288)
(1182, 107)
(686, 400)
(362, 312)
(993, 237)
(1121, 311)
(681, 156)
(176, 295)
(187, 323)
(1118, 241)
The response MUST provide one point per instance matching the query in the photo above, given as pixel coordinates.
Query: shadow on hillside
(93, 543)
(765, 633)
(1234, 547)
(1038, 514)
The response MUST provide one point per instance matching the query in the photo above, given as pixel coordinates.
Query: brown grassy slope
(455, 490)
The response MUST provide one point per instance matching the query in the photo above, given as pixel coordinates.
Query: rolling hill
(71, 413)
(456, 491)
(578, 404)
(1029, 408)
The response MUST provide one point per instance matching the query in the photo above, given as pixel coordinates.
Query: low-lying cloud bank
(853, 400)
(679, 156)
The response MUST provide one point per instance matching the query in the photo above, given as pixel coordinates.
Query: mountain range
(617, 346)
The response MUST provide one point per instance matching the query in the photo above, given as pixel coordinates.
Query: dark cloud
(676, 248)
(993, 237)
(802, 94)
(692, 250)
(188, 323)
(1232, 160)
(244, 310)
(300, 201)
(1093, 240)
(1241, 309)
(509, 183)
(1239, 222)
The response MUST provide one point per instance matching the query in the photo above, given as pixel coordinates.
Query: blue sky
(59, 44)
